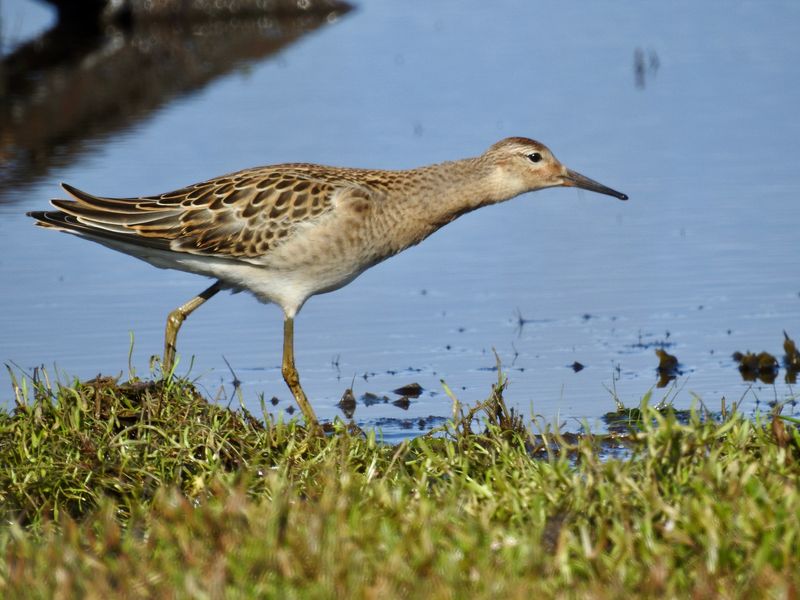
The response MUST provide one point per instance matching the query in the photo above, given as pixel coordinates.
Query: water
(689, 109)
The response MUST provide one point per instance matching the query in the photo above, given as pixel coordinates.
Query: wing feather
(242, 215)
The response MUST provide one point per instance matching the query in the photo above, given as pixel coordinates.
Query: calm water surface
(690, 110)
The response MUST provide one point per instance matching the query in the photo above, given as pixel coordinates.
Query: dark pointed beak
(573, 179)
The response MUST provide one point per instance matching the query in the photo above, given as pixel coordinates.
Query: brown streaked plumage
(288, 232)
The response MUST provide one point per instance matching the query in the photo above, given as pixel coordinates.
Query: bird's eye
(535, 157)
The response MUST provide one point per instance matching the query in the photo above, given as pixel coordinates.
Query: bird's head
(523, 165)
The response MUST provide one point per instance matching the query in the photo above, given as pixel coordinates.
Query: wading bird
(288, 232)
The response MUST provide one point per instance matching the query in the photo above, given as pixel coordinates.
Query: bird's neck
(446, 191)
(430, 197)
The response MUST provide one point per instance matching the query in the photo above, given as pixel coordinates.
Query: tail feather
(125, 206)
(63, 221)
(135, 221)
(130, 217)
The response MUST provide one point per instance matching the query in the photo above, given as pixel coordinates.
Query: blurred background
(689, 108)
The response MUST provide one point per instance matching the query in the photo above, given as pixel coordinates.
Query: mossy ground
(145, 489)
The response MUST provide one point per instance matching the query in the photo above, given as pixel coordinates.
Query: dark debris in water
(792, 356)
(370, 399)
(412, 390)
(402, 402)
(644, 344)
(765, 367)
(668, 367)
(762, 366)
(348, 403)
(791, 359)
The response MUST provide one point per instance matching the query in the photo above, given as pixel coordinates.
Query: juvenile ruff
(288, 232)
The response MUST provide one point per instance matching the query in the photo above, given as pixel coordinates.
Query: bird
(290, 231)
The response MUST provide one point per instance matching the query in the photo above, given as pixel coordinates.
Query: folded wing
(242, 215)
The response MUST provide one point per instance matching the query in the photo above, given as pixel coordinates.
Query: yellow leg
(176, 318)
(291, 377)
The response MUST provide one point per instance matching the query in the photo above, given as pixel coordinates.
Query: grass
(145, 489)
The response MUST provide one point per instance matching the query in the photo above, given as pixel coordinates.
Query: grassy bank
(144, 489)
